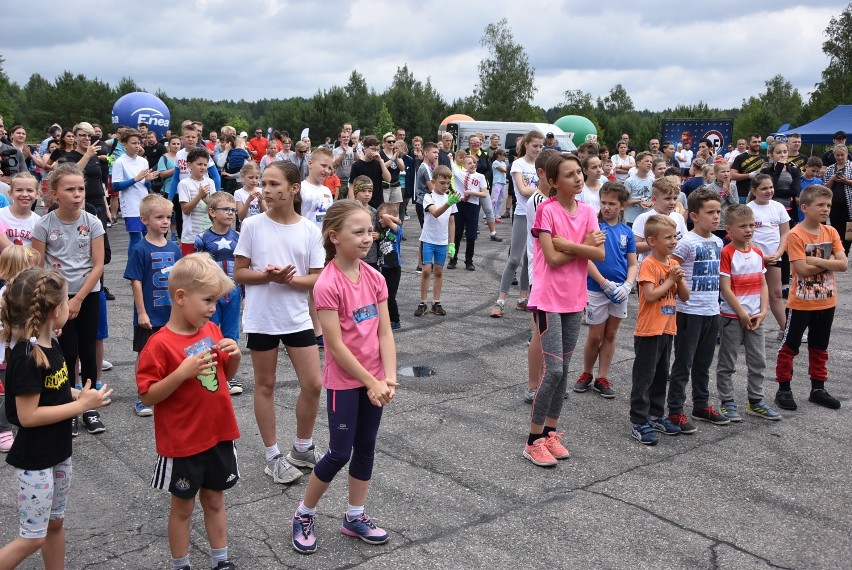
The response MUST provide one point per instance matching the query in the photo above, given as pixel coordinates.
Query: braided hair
(26, 306)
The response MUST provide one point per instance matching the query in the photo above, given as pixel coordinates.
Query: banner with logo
(719, 131)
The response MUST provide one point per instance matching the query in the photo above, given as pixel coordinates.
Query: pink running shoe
(539, 454)
(555, 447)
(364, 528)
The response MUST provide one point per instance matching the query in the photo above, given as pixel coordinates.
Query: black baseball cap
(839, 135)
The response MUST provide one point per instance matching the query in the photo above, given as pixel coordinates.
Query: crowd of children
(330, 263)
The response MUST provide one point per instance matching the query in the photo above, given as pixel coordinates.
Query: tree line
(504, 91)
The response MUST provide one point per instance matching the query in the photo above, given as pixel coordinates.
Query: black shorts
(215, 469)
(141, 336)
(264, 342)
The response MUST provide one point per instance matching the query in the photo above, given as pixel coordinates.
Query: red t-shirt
(199, 414)
(259, 146)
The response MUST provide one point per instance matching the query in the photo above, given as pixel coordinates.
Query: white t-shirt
(528, 173)
(684, 158)
(701, 257)
(182, 168)
(767, 218)
(536, 200)
(18, 231)
(435, 230)
(626, 162)
(316, 200)
(126, 168)
(272, 308)
(639, 228)
(591, 197)
(465, 180)
(241, 196)
(198, 220)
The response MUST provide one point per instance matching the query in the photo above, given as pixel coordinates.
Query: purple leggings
(353, 423)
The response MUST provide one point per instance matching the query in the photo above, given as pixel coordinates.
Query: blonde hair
(333, 221)
(665, 187)
(657, 223)
(250, 166)
(15, 259)
(219, 198)
(197, 271)
(27, 303)
(62, 170)
(25, 175)
(321, 151)
(153, 201)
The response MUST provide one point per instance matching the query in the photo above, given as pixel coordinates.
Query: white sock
(218, 555)
(272, 451)
(501, 302)
(302, 445)
(303, 510)
(352, 511)
(494, 233)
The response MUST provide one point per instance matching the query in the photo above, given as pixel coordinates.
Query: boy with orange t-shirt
(660, 278)
(816, 253)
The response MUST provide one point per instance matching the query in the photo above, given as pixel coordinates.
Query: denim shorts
(434, 254)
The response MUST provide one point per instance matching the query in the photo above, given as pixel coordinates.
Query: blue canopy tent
(821, 130)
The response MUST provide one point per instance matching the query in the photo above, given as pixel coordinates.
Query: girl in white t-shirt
(18, 219)
(771, 226)
(132, 176)
(592, 170)
(622, 162)
(249, 198)
(278, 258)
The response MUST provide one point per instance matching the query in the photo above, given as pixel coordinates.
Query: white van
(509, 132)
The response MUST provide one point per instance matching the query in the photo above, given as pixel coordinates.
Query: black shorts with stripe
(215, 469)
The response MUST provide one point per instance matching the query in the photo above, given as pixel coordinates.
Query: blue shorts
(434, 254)
(103, 324)
(134, 224)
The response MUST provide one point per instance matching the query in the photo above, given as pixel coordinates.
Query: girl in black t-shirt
(40, 402)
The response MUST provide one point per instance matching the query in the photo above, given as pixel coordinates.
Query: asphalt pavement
(450, 484)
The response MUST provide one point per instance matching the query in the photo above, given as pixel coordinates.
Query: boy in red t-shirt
(183, 372)
(816, 253)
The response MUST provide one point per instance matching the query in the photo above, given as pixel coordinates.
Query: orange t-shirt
(812, 292)
(332, 183)
(656, 317)
(259, 146)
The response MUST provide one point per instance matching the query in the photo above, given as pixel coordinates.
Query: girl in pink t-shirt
(567, 236)
(360, 370)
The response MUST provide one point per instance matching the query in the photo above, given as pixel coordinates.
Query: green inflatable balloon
(579, 129)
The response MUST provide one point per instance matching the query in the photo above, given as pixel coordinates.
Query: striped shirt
(745, 269)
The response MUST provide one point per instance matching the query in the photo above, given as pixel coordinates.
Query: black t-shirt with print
(92, 176)
(43, 446)
(745, 163)
(393, 169)
(373, 171)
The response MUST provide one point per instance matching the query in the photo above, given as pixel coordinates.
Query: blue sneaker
(304, 539)
(763, 410)
(142, 410)
(664, 425)
(364, 528)
(730, 411)
(644, 434)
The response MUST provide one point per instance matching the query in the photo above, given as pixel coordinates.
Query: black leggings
(392, 276)
(78, 339)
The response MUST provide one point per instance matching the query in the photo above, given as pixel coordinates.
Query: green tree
(383, 123)
(506, 78)
(618, 101)
(835, 87)
(6, 96)
(780, 103)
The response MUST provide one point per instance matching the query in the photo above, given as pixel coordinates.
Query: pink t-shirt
(357, 304)
(560, 289)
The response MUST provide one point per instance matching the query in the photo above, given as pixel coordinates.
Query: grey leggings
(517, 256)
(559, 333)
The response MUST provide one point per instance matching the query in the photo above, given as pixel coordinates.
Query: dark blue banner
(719, 131)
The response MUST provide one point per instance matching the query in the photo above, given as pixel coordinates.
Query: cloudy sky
(676, 52)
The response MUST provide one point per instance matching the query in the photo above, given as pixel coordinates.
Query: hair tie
(33, 341)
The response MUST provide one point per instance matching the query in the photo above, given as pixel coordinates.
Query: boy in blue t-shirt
(220, 241)
(609, 282)
(148, 270)
(810, 176)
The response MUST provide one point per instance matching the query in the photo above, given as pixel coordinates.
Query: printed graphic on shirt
(705, 272)
(57, 379)
(209, 379)
(821, 285)
(365, 313)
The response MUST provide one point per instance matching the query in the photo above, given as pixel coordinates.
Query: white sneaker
(280, 470)
(106, 365)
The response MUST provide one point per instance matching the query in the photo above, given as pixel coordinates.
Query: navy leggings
(353, 423)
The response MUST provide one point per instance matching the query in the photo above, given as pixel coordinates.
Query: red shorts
(187, 248)
(110, 191)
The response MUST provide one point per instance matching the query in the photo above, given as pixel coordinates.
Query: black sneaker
(225, 565)
(495, 237)
(785, 401)
(452, 263)
(109, 296)
(438, 310)
(75, 429)
(821, 397)
(421, 310)
(710, 414)
(469, 266)
(93, 423)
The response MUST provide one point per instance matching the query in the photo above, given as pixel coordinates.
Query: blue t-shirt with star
(220, 246)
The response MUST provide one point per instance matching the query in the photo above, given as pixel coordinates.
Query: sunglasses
(390, 142)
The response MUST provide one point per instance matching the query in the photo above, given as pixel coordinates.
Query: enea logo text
(147, 115)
